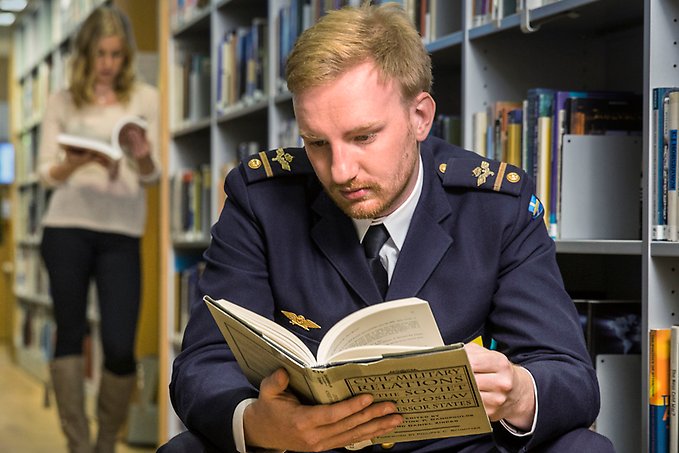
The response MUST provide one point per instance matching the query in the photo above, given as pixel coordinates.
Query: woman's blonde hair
(103, 22)
(347, 37)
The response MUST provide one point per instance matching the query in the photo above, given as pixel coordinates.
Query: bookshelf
(479, 57)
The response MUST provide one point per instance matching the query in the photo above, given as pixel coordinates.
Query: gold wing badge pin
(301, 321)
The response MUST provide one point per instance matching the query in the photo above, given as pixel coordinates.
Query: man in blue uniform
(463, 232)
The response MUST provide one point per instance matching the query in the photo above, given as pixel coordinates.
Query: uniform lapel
(428, 237)
(335, 235)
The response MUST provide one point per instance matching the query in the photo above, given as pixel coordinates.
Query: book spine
(674, 387)
(659, 377)
(658, 230)
(672, 201)
(672, 187)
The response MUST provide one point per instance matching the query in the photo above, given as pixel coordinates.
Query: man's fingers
(274, 384)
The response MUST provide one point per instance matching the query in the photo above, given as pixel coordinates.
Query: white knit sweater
(90, 198)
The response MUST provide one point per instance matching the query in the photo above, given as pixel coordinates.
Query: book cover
(404, 364)
(114, 149)
(659, 391)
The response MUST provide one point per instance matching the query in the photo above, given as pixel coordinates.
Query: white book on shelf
(600, 187)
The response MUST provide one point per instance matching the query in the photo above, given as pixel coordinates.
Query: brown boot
(112, 407)
(68, 374)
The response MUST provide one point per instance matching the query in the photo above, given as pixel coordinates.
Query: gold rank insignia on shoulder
(482, 173)
(280, 162)
(301, 321)
(283, 159)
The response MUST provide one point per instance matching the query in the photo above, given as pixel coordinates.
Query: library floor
(26, 425)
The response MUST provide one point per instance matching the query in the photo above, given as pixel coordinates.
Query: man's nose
(343, 167)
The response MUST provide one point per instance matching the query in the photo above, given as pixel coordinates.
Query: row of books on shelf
(30, 275)
(191, 81)
(41, 30)
(183, 11)
(432, 18)
(531, 133)
(186, 290)
(26, 157)
(242, 65)
(191, 196)
(190, 201)
(664, 128)
(663, 389)
(489, 11)
(49, 76)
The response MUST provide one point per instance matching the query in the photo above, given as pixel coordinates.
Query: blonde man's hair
(103, 22)
(347, 37)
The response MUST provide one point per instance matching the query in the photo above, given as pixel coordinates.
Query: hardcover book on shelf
(672, 159)
(359, 355)
(659, 159)
(605, 116)
(659, 390)
(674, 388)
(115, 149)
(593, 207)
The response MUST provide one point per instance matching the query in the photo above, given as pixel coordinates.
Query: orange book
(659, 389)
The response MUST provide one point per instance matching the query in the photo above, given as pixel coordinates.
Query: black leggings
(73, 257)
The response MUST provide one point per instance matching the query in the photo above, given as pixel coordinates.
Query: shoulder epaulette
(481, 173)
(275, 163)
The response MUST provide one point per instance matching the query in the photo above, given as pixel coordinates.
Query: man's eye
(318, 143)
(367, 138)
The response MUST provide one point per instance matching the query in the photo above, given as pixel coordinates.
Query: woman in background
(94, 222)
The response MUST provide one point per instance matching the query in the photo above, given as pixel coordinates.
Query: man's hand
(506, 389)
(278, 421)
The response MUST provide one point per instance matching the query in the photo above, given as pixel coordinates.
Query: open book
(114, 149)
(392, 350)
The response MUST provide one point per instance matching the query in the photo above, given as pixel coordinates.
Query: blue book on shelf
(660, 148)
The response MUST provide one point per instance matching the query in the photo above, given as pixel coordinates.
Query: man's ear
(422, 115)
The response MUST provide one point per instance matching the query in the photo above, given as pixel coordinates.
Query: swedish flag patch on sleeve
(535, 207)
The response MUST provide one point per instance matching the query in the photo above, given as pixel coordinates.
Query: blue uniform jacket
(477, 250)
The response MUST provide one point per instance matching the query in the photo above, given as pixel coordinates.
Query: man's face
(362, 140)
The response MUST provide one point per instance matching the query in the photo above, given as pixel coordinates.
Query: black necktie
(373, 241)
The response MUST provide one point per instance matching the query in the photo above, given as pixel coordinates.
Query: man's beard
(355, 210)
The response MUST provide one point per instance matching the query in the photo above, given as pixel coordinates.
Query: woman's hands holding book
(277, 420)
